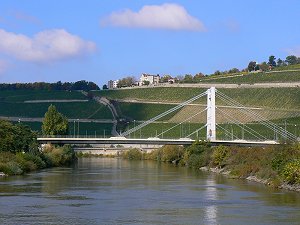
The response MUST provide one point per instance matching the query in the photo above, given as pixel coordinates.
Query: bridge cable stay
(248, 129)
(128, 132)
(226, 131)
(176, 125)
(266, 122)
(245, 127)
(196, 131)
(255, 116)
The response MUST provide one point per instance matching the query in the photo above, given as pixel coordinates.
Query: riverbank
(21, 163)
(285, 186)
(276, 166)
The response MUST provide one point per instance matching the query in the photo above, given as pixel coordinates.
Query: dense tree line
(16, 138)
(66, 86)
(272, 63)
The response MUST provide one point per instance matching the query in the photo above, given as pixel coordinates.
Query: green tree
(280, 62)
(16, 138)
(272, 61)
(54, 123)
(291, 60)
(264, 66)
(188, 78)
(251, 66)
(126, 82)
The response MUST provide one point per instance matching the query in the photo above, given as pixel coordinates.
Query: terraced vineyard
(13, 104)
(275, 76)
(272, 103)
(285, 98)
(25, 95)
(90, 129)
(34, 103)
(141, 104)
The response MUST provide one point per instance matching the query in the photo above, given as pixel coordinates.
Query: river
(116, 191)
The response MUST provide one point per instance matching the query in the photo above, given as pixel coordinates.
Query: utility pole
(74, 129)
(78, 128)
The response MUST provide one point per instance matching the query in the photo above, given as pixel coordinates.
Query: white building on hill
(112, 84)
(147, 79)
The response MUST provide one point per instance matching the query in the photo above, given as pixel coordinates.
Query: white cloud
(294, 51)
(45, 46)
(166, 16)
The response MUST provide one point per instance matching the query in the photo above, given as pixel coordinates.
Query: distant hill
(26, 105)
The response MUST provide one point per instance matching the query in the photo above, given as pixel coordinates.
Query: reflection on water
(115, 191)
(210, 194)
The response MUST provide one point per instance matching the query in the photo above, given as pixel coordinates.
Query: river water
(116, 191)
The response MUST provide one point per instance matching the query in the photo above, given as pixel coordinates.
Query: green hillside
(280, 103)
(13, 104)
(135, 104)
(251, 78)
(26, 95)
(286, 98)
(164, 94)
(91, 129)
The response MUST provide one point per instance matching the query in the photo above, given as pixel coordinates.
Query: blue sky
(98, 40)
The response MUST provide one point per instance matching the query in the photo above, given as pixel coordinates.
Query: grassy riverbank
(275, 165)
(21, 163)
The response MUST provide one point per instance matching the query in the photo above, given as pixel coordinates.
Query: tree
(198, 76)
(165, 78)
(217, 72)
(16, 138)
(251, 66)
(104, 87)
(126, 82)
(280, 62)
(54, 123)
(272, 61)
(188, 78)
(264, 66)
(234, 70)
(291, 60)
(146, 82)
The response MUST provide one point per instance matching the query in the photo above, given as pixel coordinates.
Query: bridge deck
(150, 141)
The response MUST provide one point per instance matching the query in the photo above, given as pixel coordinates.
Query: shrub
(198, 160)
(291, 172)
(35, 159)
(219, 155)
(132, 154)
(11, 168)
(171, 153)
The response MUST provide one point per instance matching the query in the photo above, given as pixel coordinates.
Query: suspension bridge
(251, 136)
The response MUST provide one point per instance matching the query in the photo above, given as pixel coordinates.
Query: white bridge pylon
(211, 114)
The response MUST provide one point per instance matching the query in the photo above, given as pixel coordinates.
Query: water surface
(116, 191)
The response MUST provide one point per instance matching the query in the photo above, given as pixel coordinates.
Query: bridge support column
(211, 114)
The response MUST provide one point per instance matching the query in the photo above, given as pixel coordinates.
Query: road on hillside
(37, 119)
(218, 85)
